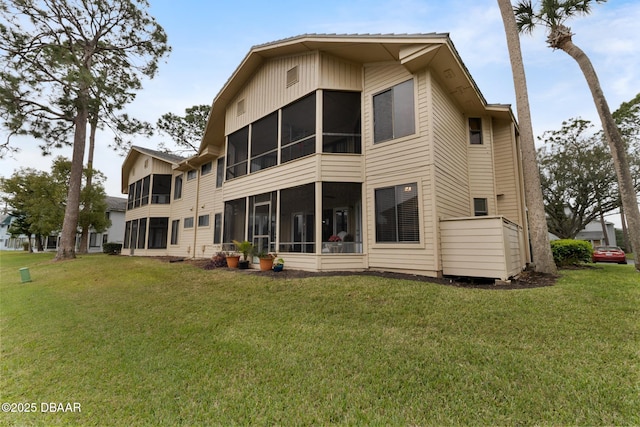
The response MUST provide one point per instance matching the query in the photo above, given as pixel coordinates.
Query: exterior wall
(267, 91)
(509, 197)
(592, 232)
(451, 163)
(203, 247)
(449, 173)
(481, 168)
(399, 161)
(145, 165)
(115, 233)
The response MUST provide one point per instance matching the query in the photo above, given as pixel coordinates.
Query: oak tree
(70, 61)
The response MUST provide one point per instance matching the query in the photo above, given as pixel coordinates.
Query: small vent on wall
(292, 76)
(240, 107)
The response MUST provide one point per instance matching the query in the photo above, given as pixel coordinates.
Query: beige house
(343, 152)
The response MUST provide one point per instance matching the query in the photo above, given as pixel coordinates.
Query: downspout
(195, 212)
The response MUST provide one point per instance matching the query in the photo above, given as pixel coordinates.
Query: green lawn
(136, 341)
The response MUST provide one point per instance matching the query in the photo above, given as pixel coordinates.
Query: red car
(608, 254)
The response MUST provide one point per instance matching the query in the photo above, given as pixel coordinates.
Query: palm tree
(553, 14)
(539, 236)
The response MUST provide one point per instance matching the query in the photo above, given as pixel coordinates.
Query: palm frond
(525, 16)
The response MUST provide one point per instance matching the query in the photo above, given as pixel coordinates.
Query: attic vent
(240, 107)
(292, 76)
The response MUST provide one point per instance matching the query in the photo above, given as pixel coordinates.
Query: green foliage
(551, 13)
(577, 177)
(186, 132)
(38, 200)
(142, 342)
(67, 63)
(570, 252)
(245, 247)
(47, 82)
(112, 248)
(627, 118)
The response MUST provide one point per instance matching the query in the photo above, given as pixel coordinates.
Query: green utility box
(25, 275)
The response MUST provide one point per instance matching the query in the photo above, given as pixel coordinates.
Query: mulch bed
(526, 280)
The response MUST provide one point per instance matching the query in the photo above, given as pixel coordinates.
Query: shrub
(112, 248)
(219, 260)
(571, 252)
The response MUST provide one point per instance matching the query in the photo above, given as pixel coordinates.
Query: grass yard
(137, 341)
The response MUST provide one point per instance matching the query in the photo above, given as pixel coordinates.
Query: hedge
(571, 252)
(112, 248)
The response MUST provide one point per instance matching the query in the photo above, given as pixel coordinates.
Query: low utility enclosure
(489, 246)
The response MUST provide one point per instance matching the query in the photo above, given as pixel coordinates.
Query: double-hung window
(394, 113)
(397, 213)
(175, 228)
(475, 131)
(177, 188)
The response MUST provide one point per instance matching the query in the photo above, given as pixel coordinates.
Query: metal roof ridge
(349, 36)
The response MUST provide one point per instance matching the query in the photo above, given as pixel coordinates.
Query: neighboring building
(346, 153)
(6, 241)
(116, 207)
(594, 234)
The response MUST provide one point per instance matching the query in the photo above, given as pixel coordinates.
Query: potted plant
(278, 264)
(266, 261)
(232, 259)
(245, 248)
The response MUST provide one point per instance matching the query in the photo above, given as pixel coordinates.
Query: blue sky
(210, 39)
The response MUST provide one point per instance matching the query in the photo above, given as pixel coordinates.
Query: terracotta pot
(232, 261)
(266, 264)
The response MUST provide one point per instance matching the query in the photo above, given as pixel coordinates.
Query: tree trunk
(539, 235)
(625, 233)
(84, 234)
(603, 224)
(67, 247)
(616, 144)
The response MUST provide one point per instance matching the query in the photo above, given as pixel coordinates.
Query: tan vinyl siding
(139, 170)
(450, 156)
(297, 172)
(480, 247)
(339, 75)
(395, 162)
(341, 167)
(506, 172)
(353, 262)
(481, 179)
(267, 91)
(206, 204)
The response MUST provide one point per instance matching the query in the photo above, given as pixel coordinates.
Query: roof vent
(240, 107)
(292, 76)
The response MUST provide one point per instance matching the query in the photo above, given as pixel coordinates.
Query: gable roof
(162, 155)
(135, 152)
(414, 51)
(116, 204)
